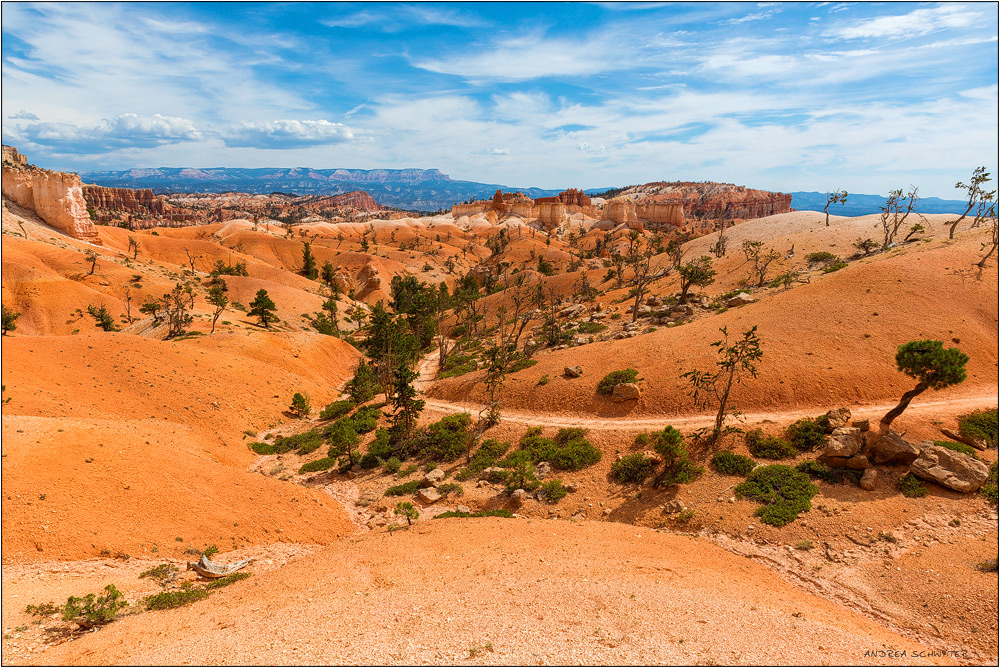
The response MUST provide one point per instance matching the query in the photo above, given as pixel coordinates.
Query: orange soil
(532, 589)
(829, 342)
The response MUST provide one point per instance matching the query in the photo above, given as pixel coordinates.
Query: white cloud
(285, 134)
(24, 115)
(499, 151)
(401, 17)
(916, 23)
(125, 131)
(532, 57)
(756, 16)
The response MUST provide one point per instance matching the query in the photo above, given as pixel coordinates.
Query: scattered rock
(428, 495)
(433, 478)
(863, 425)
(844, 442)
(674, 506)
(653, 300)
(573, 371)
(626, 392)
(950, 469)
(573, 311)
(857, 462)
(741, 299)
(463, 509)
(518, 497)
(488, 472)
(868, 479)
(837, 418)
(542, 470)
(572, 489)
(889, 447)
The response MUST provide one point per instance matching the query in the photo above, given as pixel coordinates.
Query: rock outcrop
(843, 450)
(124, 199)
(889, 447)
(57, 197)
(626, 392)
(950, 469)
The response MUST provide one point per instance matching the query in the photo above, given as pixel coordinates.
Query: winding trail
(947, 407)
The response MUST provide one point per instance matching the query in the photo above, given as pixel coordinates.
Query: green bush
(174, 599)
(370, 461)
(768, 447)
(958, 447)
(552, 491)
(632, 469)
(404, 489)
(521, 365)
(988, 566)
(834, 476)
(363, 385)
(806, 434)
(482, 513)
(341, 436)
(262, 448)
(161, 575)
(446, 439)
(590, 327)
(642, 440)
(607, 384)
(784, 492)
(911, 486)
(677, 466)
(989, 488)
(821, 256)
(323, 464)
(407, 471)
(366, 418)
(336, 409)
(450, 488)
(980, 424)
(303, 443)
(94, 610)
(567, 450)
(219, 583)
(731, 463)
(381, 447)
(392, 465)
(836, 265)
(488, 453)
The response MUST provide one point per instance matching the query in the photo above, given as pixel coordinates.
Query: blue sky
(782, 96)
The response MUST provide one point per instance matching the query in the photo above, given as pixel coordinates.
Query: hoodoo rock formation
(703, 201)
(57, 197)
(124, 199)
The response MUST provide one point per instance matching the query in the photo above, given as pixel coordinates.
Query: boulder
(686, 309)
(491, 471)
(868, 479)
(741, 299)
(433, 478)
(844, 442)
(573, 311)
(863, 425)
(653, 300)
(889, 447)
(518, 497)
(626, 392)
(428, 495)
(463, 509)
(950, 469)
(573, 371)
(542, 470)
(645, 310)
(857, 462)
(675, 506)
(837, 418)
(581, 341)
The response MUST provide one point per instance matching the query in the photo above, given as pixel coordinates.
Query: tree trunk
(903, 403)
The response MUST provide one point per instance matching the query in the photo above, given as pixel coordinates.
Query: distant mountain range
(411, 189)
(862, 205)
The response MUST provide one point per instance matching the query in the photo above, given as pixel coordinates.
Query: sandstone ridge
(57, 197)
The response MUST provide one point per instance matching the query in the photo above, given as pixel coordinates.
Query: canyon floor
(122, 451)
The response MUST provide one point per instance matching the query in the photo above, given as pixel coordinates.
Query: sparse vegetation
(784, 492)
(834, 476)
(768, 447)
(552, 491)
(336, 409)
(607, 384)
(806, 434)
(989, 488)
(632, 469)
(93, 610)
(731, 463)
(980, 424)
(911, 486)
(10, 317)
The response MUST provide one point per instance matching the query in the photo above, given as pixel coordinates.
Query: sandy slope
(529, 588)
(136, 441)
(830, 341)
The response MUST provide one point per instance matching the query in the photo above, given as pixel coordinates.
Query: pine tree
(263, 308)
(308, 262)
(404, 400)
(218, 297)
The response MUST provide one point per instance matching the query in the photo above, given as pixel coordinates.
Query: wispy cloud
(915, 23)
(397, 17)
(24, 115)
(287, 134)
